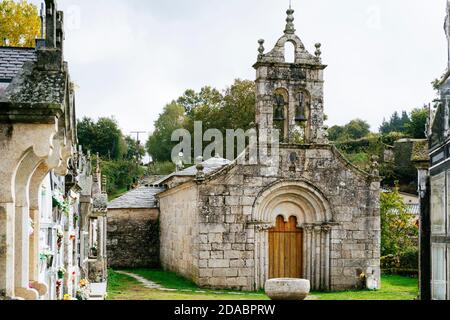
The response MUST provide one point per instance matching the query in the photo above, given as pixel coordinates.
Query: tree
(396, 123)
(135, 151)
(239, 102)
(234, 108)
(417, 126)
(398, 231)
(336, 133)
(103, 137)
(19, 23)
(355, 129)
(159, 145)
(207, 97)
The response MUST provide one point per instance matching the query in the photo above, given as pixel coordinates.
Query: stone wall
(179, 230)
(133, 238)
(336, 205)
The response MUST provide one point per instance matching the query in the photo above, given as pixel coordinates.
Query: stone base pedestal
(27, 294)
(288, 289)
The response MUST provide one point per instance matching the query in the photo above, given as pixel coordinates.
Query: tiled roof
(210, 166)
(139, 198)
(12, 60)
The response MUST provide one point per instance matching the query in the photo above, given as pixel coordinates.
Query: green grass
(168, 280)
(392, 288)
(121, 287)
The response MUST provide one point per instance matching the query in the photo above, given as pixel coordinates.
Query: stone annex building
(313, 215)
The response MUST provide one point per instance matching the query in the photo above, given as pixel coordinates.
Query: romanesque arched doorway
(285, 249)
(286, 210)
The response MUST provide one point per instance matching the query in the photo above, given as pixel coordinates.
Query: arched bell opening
(281, 112)
(289, 52)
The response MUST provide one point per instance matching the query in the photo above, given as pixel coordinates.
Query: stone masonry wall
(133, 238)
(227, 235)
(179, 230)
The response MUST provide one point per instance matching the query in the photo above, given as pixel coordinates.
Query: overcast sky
(131, 57)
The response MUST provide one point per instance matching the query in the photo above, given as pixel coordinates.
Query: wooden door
(285, 249)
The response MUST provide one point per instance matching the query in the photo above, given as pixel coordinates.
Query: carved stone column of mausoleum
(37, 130)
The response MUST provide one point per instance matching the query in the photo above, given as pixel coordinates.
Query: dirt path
(146, 283)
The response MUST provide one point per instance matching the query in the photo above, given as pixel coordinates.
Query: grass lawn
(122, 287)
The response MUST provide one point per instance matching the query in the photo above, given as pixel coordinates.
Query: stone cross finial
(200, 175)
(374, 167)
(318, 52)
(290, 28)
(261, 49)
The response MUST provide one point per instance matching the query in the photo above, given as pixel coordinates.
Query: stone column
(7, 220)
(307, 251)
(326, 229)
(317, 262)
(312, 254)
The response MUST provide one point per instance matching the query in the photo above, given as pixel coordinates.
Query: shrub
(409, 259)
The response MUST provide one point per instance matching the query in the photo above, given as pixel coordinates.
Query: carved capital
(326, 228)
(263, 227)
(308, 228)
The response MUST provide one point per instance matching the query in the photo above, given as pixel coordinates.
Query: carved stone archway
(314, 215)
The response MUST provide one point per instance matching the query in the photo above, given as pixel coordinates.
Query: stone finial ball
(288, 289)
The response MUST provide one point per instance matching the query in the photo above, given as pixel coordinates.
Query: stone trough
(288, 289)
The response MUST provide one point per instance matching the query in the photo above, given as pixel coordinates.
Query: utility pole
(138, 144)
(138, 133)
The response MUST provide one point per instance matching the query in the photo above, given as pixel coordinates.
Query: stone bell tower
(290, 94)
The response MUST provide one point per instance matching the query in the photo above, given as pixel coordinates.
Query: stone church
(311, 215)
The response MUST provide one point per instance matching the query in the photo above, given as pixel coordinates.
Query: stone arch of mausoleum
(314, 216)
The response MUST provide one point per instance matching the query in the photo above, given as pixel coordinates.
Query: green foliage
(207, 96)
(103, 137)
(417, 126)
(391, 137)
(121, 175)
(161, 168)
(355, 129)
(232, 109)
(410, 125)
(159, 146)
(19, 23)
(135, 150)
(398, 231)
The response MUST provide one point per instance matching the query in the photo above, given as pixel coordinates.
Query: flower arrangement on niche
(46, 256)
(61, 202)
(59, 238)
(84, 291)
(58, 288)
(61, 273)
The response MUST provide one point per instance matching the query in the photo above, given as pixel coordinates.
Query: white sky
(131, 57)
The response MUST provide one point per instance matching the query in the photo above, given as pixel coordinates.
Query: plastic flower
(84, 283)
